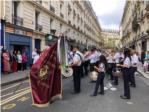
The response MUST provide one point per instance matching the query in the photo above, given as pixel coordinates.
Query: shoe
(93, 95)
(74, 92)
(101, 93)
(124, 97)
(132, 85)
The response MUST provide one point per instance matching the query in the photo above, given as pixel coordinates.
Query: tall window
(15, 13)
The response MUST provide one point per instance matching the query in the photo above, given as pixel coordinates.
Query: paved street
(110, 102)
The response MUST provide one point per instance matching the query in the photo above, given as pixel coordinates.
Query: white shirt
(102, 67)
(77, 58)
(36, 58)
(127, 62)
(34, 54)
(19, 58)
(134, 60)
(94, 57)
(117, 57)
(110, 59)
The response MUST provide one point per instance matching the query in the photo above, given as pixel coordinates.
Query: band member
(111, 64)
(94, 57)
(86, 61)
(134, 63)
(101, 69)
(76, 65)
(126, 72)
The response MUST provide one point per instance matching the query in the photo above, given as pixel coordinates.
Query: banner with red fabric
(45, 78)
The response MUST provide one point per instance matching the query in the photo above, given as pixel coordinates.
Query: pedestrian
(147, 58)
(126, 73)
(19, 60)
(14, 62)
(142, 57)
(133, 68)
(101, 69)
(36, 57)
(34, 53)
(24, 61)
(6, 62)
(76, 66)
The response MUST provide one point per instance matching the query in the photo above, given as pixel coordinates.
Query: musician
(133, 68)
(94, 57)
(101, 69)
(76, 65)
(126, 73)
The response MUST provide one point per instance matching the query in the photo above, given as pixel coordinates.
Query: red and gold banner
(45, 78)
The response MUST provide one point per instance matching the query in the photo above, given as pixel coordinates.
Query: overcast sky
(109, 12)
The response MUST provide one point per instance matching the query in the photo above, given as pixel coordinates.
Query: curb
(146, 76)
(14, 81)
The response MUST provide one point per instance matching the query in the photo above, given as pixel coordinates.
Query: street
(17, 98)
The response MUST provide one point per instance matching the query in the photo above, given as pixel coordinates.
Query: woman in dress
(14, 62)
(6, 63)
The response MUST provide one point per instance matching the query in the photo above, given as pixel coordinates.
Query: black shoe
(101, 93)
(74, 92)
(124, 97)
(93, 95)
(132, 85)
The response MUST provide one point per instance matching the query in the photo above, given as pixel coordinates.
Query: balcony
(17, 20)
(52, 8)
(62, 16)
(135, 24)
(62, 1)
(147, 6)
(38, 27)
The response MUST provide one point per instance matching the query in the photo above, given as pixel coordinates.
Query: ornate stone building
(135, 25)
(28, 24)
(111, 38)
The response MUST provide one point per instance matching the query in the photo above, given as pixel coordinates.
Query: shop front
(22, 43)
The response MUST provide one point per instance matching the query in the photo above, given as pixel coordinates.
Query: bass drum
(68, 72)
(93, 75)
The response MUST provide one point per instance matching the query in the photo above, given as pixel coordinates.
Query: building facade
(135, 25)
(111, 38)
(28, 24)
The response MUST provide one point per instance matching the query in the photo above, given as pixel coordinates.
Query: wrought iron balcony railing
(62, 16)
(52, 8)
(38, 27)
(17, 20)
(147, 6)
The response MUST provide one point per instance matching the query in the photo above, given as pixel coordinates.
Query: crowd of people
(111, 62)
(13, 61)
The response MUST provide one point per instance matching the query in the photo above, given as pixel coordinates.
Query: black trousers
(24, 66)
(77, 78)
(115, 77)
(82, 70)
(110, 70)
(19, 66)
(126, 73)
(100, 81)
(85, 65)
(132, 76)
(92, 66)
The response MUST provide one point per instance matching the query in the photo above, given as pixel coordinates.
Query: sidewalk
(14, 77)
(146, 75)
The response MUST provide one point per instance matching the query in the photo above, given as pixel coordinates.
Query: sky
(109, 12)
